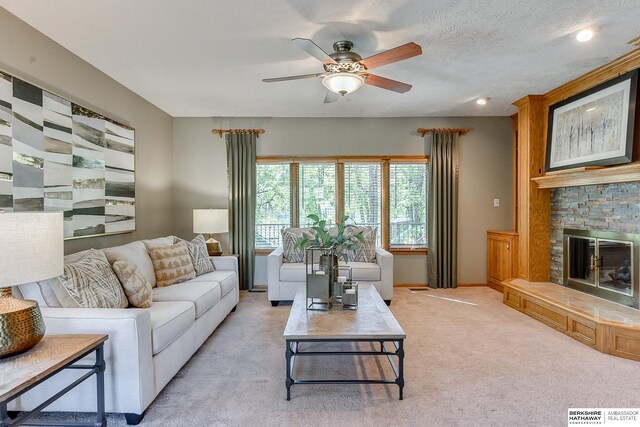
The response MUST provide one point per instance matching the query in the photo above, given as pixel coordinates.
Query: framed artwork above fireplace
(595, 127)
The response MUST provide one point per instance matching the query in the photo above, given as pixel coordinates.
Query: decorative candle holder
(350, 295)
(320, 277)
(343, 275)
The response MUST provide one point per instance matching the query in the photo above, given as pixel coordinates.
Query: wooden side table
(20, 373)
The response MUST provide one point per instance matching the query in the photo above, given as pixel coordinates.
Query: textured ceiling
(207, 58)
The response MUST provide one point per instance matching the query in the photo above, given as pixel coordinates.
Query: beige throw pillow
(172, 264)
(135, 285)
(91, 282)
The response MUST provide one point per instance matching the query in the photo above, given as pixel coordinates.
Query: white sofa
(284, 279)
(146, 347)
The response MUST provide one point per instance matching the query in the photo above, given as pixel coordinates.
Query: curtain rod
(460, 131)
(220, 132)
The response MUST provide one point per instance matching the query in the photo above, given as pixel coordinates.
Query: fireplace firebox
(604, 264)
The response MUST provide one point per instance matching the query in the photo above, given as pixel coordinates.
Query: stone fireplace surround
(605, 207)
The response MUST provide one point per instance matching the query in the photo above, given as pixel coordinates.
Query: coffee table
(372, 322)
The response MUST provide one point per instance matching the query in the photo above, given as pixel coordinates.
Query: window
(408, 205)
(317, 192)
(273, 203)
(387, 193)
(362, 194)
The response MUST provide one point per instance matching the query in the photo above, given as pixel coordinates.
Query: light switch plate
(496, 203)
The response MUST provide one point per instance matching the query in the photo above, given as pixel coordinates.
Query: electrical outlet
(496, 203)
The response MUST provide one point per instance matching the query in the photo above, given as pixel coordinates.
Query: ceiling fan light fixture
(343, 83)
(584, 35)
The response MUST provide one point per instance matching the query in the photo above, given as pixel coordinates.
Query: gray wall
(200, 180)
(29, 55)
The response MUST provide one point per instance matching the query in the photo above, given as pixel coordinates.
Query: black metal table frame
(293, 350)
(97, 368)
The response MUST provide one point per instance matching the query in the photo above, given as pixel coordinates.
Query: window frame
(339, 161)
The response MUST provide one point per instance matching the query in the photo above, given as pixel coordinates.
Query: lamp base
(21, 324)
(213, 247)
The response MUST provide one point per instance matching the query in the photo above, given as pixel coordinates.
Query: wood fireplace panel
(602, 325)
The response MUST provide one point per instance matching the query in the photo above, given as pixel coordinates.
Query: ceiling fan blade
(396, 54)
(314, 50)
(330, 97)
(384, 83)
(284, 79)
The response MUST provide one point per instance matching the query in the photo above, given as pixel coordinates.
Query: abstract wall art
(58, 156)
(595, 127)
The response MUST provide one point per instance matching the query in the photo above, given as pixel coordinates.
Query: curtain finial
(459, 131)
(221, 132)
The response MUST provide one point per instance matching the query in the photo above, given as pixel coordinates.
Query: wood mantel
(625, 173)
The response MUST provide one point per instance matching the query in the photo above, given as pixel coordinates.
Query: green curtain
(241, 168)
(443, 210)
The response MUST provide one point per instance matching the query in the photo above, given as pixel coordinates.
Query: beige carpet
(470, 361)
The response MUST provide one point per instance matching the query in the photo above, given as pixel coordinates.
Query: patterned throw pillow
(289, 238)
(199, 254)
(366, 251)
(91, 282)
(172, 264)
(135, 285)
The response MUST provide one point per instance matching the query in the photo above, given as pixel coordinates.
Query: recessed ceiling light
(584, 35)
(482, 101)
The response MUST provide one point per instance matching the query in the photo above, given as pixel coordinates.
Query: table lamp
(31, 249)
(211, 221)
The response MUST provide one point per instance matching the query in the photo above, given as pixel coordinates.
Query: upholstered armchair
(285, 278)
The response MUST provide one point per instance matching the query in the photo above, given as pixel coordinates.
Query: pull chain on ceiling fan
(345, 71)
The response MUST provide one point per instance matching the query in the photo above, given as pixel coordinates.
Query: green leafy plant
(339, 241)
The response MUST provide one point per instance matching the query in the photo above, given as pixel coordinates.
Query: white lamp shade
(342, 83)
(210, 221)
(31, 247)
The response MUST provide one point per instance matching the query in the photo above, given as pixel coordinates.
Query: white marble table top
(371, 320)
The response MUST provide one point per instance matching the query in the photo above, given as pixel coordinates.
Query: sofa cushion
(55, 294)
(203, 294)
(136, 252)
(172, 264)
(158, 241)
(92, 283)
(361, 271)
(365, 271)
(227, 279)
(169, 321)
(135, 285)
(33, 292)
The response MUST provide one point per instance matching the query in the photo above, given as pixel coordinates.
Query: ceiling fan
(345, 71)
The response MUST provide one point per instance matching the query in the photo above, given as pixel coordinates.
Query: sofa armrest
(274, 261)
(225, 263)
(129, 375)
(385, 260)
